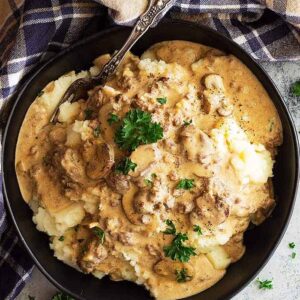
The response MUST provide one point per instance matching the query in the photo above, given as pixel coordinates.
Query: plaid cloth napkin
(31, 31)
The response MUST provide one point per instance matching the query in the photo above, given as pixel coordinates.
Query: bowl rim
(35, 72)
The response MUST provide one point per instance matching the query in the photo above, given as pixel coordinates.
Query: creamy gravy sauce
(52, 163)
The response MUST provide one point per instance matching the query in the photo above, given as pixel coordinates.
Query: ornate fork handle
(145, 21)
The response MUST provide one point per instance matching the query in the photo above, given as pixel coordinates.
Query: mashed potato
(57, 223)
(251, 162)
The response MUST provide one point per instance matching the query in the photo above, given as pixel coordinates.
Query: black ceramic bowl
(260, 241)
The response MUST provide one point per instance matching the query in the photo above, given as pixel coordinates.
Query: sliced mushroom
(133, 215)
(214, 96)
(92, 255)
(210, 210)
(225, 109)
(119, 182)
(168, 268)
(100, 163)
(128, 205)
(214, 82)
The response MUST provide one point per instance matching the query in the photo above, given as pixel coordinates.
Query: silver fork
(79, 88)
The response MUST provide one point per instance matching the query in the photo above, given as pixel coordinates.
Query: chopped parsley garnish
(148, 182)
(295, 88)
(88, 113)
(197, 228)
(97, 131)
(137, 129)
(266, 284)
(292, 245)
(186, 184)
(187, 123)
(177, 250)
(61, 238)
(125, 165)
(113, 119)
(182, 275)
(62, 296)
(99, 233)
(171, 227)
(41, 93)
(31, 297)
(162, 100)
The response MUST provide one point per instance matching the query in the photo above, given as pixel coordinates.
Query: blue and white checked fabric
(31, 31)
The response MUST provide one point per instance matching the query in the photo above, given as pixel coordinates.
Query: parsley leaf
(295, 88)
(31, 297)
(61, 239)
(292, 245)
(197, 228)
(182, 275)
(99, 233)
(162, 100)
(186, 123)
(137, 129)
(97, 131)
(186, 184)
(88, 114)
(125, 165)
(148, 182)
(113, 119)
(62, 296)
(266, 284)
(177, 250)
(171, 227)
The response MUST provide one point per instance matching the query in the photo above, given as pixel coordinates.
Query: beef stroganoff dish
(155, 177)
